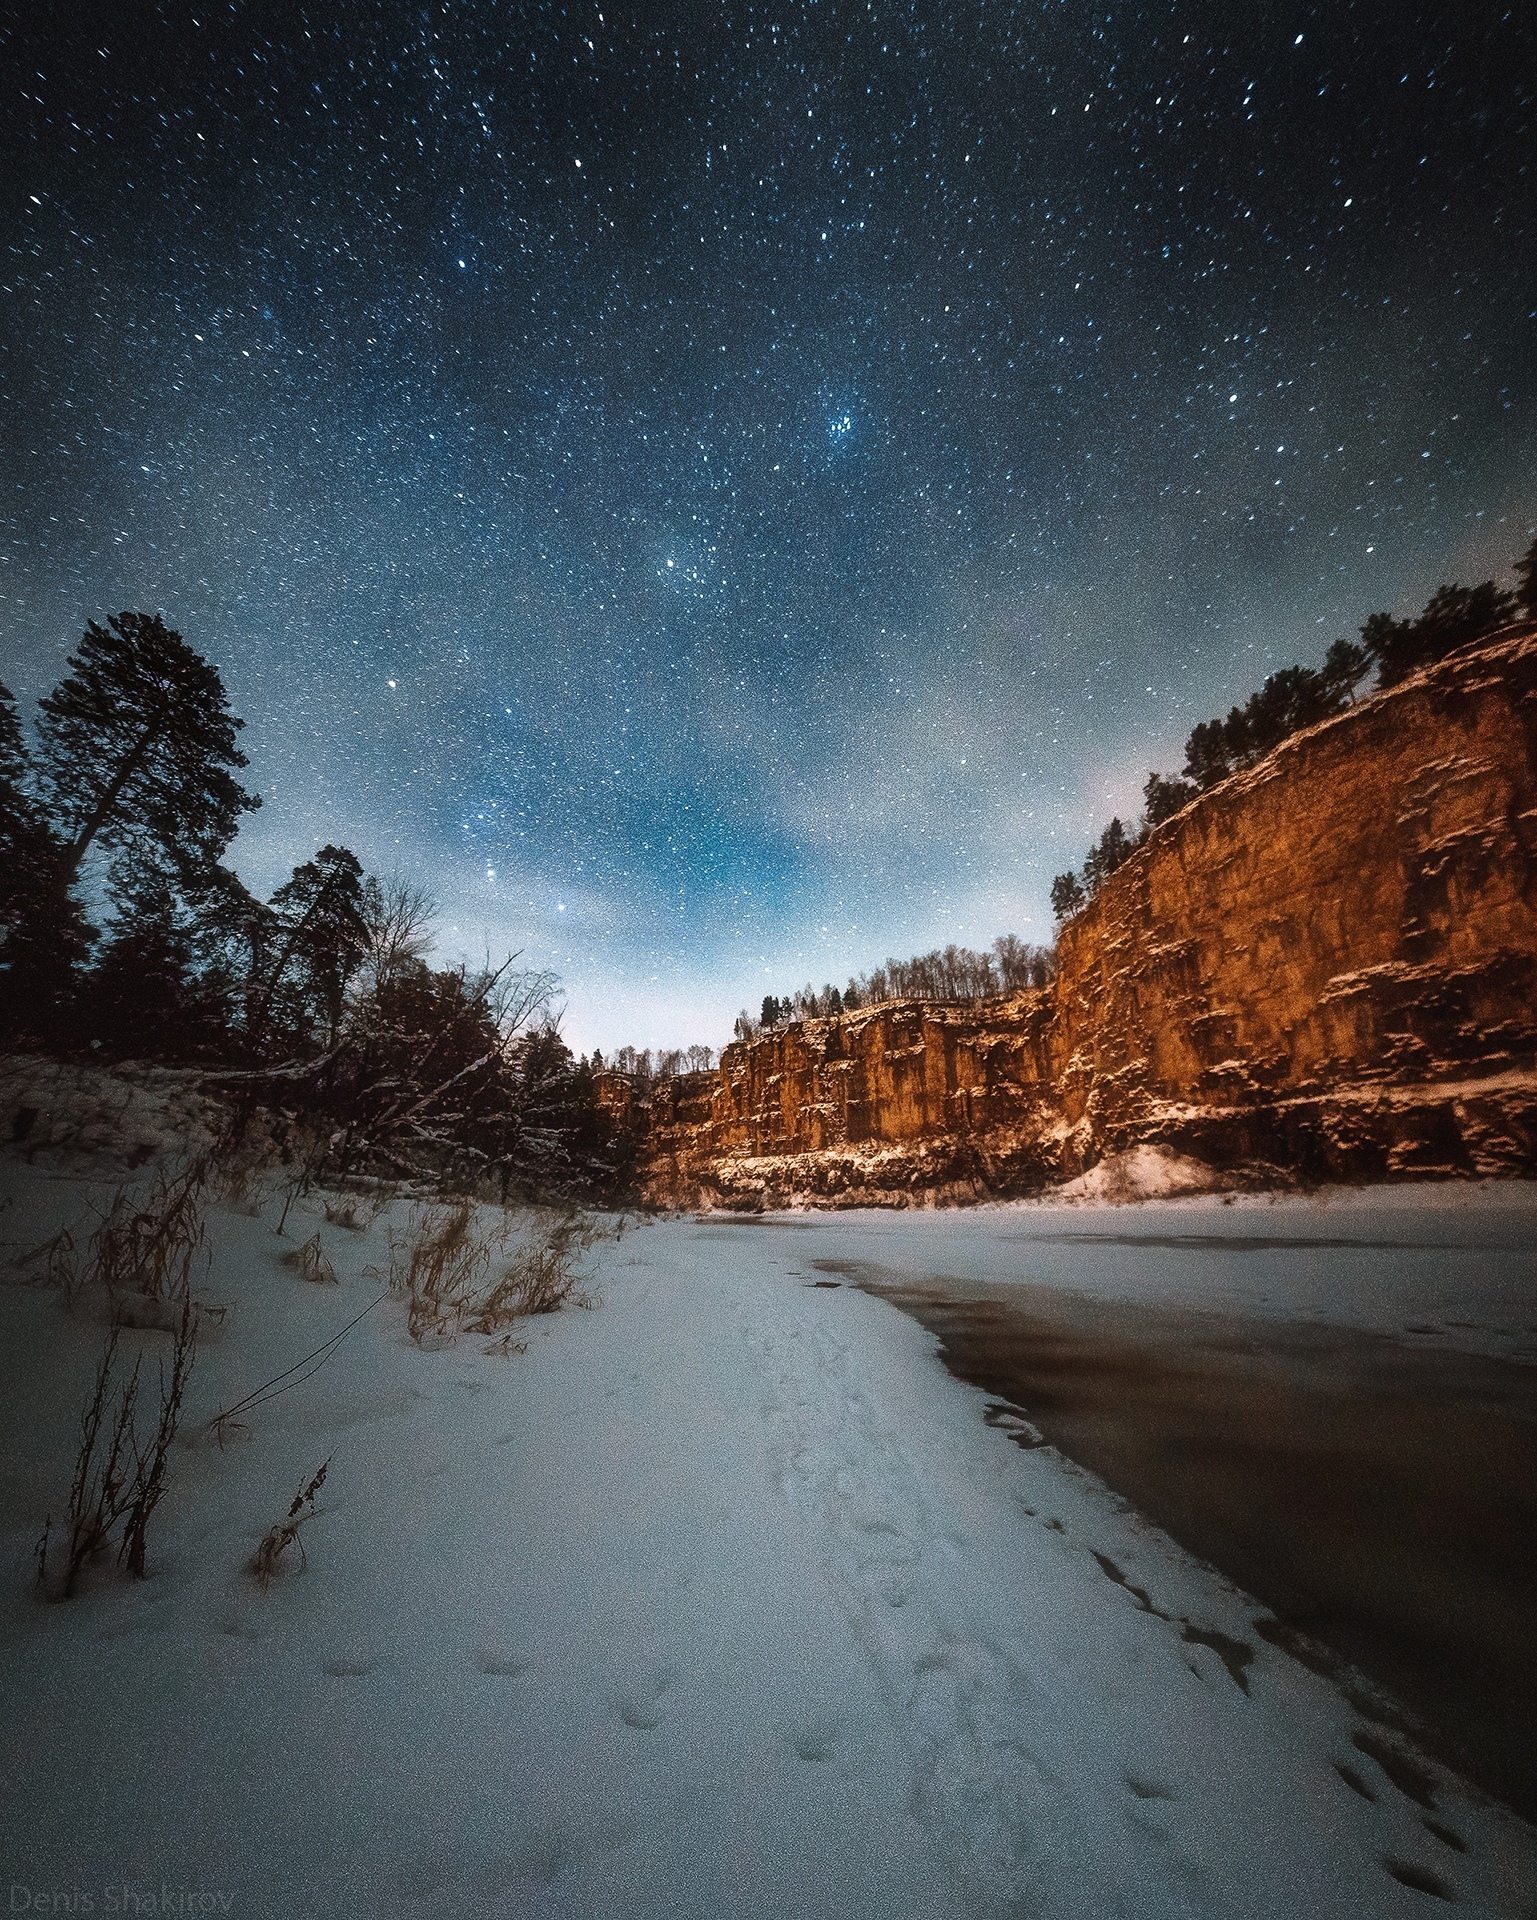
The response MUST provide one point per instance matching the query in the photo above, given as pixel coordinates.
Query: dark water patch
(714, 1221)
(1379, 1499)
(1112, 1572)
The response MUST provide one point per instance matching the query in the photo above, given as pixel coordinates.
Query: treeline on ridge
(1299, 697)
(948, 973)
(318, 1006)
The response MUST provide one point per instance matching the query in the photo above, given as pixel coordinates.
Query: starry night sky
(725, 493)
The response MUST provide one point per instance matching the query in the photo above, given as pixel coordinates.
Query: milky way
(727, 493)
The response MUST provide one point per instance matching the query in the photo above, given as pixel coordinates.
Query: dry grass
(311, 1261)
(456, 1276)
(119, 1478)
(437, 1266)
(305, 1154)
(276, 1541)
(542, 1275)
(144, 1250)
(54, 1263)
(356, 1212)
(141, 1255)
(243, 1178)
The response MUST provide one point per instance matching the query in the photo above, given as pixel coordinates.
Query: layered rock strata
(1324, 968)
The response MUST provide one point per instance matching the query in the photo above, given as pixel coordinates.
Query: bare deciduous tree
(400, 918)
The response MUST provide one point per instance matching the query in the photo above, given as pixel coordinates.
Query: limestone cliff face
(1325, 966)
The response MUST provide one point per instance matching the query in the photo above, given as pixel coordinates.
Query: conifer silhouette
(136, 745)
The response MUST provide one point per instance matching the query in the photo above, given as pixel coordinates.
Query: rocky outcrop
(1325, 968)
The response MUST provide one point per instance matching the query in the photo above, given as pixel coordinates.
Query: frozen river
(1333, 1402)
(1452, 1265)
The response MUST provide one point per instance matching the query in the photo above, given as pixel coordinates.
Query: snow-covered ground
(722, 1599)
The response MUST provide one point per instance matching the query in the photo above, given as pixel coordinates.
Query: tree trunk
(103, 808)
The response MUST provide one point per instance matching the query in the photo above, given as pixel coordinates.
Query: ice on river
(723, 1599)
(1453, 1263)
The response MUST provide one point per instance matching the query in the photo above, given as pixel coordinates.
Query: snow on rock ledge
(1142, 1173)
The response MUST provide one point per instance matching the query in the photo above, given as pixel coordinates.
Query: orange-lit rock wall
(1326, 966)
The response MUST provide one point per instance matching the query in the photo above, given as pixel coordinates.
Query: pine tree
(149, 994)
(1163, 798)
(43, 934)
(1453, 616)
(136, 747)
(321, 937)
(1208, 756)
(1111, 851)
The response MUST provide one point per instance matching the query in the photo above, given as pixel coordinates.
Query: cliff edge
(1322, 969)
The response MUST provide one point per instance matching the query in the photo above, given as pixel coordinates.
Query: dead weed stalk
(437, 1266)
(232, 1419)
(278, 1539)
(119, 1478)
(355, 1211)
(543, 1275)
(54, 1263)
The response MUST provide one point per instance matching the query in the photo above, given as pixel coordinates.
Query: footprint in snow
(1421, 1879)
(818, 1741)
(489, 1661)
(641, 1705)
(1353, 1780)
(1445, 1835)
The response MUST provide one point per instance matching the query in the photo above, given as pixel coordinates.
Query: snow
(721, 1599)
(66, 1114)
(1141, 1173)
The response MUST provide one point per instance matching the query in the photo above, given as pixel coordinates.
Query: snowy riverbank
(722, 1599)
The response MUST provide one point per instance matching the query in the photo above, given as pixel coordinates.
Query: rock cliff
(1324, 968)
